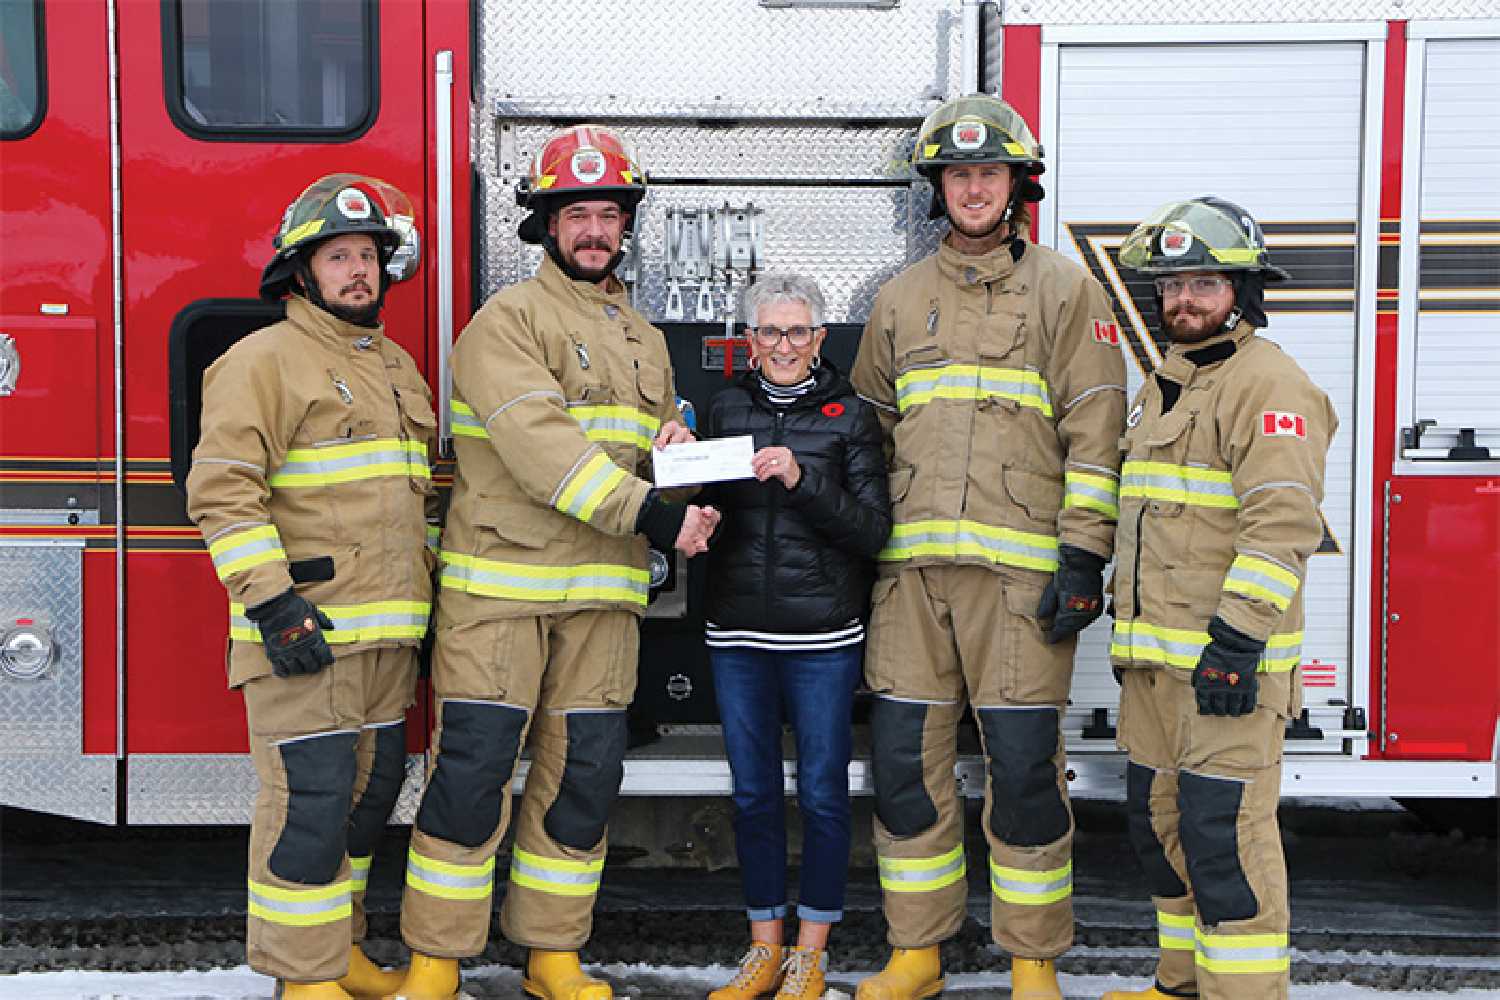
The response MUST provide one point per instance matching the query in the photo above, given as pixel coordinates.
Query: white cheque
(704, 461)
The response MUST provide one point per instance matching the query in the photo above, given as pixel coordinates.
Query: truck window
(23, 81)
(269, 69)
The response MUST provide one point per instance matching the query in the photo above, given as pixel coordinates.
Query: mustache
(356, 286)
(592, 243)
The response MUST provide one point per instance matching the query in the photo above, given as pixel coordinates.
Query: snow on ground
(639, 981)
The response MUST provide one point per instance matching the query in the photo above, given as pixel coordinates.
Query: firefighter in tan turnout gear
(997, 370)
(1223, 475)
(312, 487)
(560, 391)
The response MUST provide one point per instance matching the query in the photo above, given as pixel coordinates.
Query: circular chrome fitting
(26, 651)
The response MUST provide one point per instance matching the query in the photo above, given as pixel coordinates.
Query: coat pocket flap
(528, 525)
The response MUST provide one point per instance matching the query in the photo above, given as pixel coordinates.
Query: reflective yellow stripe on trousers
(448, 879)
(324, 904)
(922, 874)
(1028, 888)
(347, 463)
(369, 622)
(1182, 647)
(235, 551)
(359, 872)
(1007, 546)
(523, 582)
(554, 875)
(1174, 932)
(972, 382)
(1242, 954)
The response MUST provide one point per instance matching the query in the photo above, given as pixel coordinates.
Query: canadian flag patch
(1279, 423)
(1106, 333)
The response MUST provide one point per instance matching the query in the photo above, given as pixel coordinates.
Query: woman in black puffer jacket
(789, 581)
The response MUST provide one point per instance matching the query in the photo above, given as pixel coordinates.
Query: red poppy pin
(833, 409)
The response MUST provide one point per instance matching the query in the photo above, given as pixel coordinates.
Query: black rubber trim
(39, 113)
(316, 570)
(320, 789)
(1161, 878)
(382, 788)
(477, 752)
(901, 800)
(1210, 819)
(591, 779)
(1026, 807)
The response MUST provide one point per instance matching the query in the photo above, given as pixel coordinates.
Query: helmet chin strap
(366, 316)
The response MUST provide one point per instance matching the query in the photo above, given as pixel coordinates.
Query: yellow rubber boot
(556, 975)
(1150, 993)
(803, 973)
(911, 974)
(428, 978)
(760, 973)
(326, 990)
(1034, 979)
(367, 981)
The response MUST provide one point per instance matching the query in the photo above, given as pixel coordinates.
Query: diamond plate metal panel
(747, 153)
(219, 789)
(850, 239)
(1238, 11)
(65, 784)
(44, 715)
(605, 58)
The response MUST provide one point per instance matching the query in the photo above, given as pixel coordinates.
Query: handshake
(697, 528)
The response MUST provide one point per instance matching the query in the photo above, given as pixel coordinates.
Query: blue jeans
(814, 692)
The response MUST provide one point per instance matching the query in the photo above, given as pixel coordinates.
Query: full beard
(365, 315)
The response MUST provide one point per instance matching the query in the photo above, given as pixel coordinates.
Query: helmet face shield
(1204, 234)
(975, 129)
(342, 205)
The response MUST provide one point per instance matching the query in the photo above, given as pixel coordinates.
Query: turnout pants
(1201, 795)
(565, 680)
(330, 752)
(941, 637)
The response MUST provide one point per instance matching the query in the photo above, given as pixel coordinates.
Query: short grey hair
(782, 286)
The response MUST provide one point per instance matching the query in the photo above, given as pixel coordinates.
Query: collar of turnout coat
(328, 328)
(996, 265)
(583, 295)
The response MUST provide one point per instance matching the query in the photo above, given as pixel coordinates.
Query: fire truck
(149, 147)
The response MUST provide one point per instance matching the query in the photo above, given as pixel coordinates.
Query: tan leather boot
(802, 973)
(556, 975)
(1150, 993)
(1034, 979)
(911, 974)
(428, 978)
(760, 973)
(367, 981)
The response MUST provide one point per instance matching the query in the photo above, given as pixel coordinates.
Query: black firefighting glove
(291, 627)
(660, 521)
(1224, 679)
(1075, 595)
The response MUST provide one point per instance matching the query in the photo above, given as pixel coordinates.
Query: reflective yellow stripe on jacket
(1182, 647)
(1092, 491)
(1029, 888)
(972, 382)
(348, 463)
(555, 875)
(970, 538)
(239, 550)
(525, 582)
(1263, 579)
(368, 622)
(623, 424)
(587, 486)
(1243, 954)
(324, 904)
(922, 874)
(448, 879)
(1187, 484)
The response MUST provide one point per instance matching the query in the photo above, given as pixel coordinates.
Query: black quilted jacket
(798, 560)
